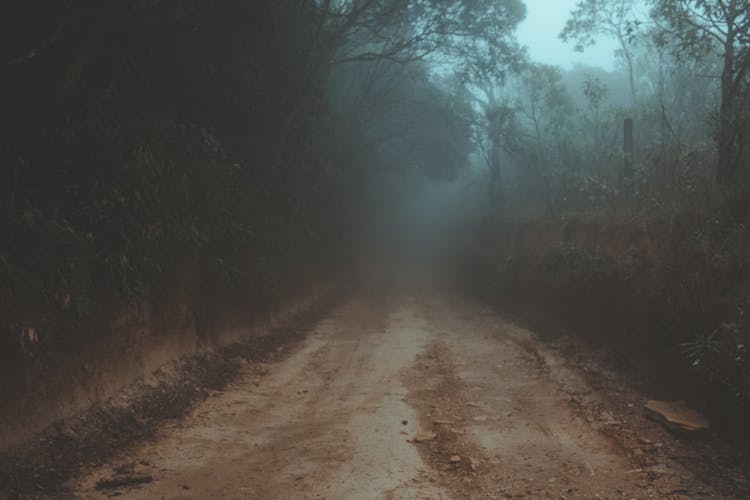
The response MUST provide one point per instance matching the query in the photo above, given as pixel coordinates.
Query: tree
(543, 99)
(544, 111)
(412, 30)
(595, 92)
(721, 27)
(474, 36)
(147, 140)
(675, 89)
(398, 120)
(593, 18)
(483, 64)
(489, 122)
(383, 33)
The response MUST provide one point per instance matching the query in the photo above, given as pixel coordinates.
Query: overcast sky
(544, 21)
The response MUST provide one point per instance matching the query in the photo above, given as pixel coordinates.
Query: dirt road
(406, 392)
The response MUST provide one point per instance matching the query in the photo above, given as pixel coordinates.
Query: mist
(375, 249)
(540, 31)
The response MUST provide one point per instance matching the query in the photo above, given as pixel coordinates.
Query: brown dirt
(41, 468)
(336, 418)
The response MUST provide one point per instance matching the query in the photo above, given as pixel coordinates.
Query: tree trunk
(596, 141)
(495, 177)
(727, 134)
(631, 77)
(631, 71)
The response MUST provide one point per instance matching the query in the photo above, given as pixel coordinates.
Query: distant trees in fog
(684, 68)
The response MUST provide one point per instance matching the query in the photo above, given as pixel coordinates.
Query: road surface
(407, 392)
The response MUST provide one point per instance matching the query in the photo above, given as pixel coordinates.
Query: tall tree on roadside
(614, 18)
(475, 36)
(721, 27)
(483, 64)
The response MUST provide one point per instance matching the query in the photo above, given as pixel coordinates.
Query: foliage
(615, 18)
(158, 144)
(589, 265)
(722, 28)
(723, 358)
(409, 123)
(145, 142)
(415, 30)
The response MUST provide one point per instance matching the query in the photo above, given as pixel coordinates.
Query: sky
(544, 21)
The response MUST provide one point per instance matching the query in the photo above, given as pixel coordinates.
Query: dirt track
(498, 414)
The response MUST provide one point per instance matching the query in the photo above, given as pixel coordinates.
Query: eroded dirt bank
(408, 392)
(116, 349)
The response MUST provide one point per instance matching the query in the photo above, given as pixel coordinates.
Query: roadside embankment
(668, 295)
(44, 384)
(120, 390)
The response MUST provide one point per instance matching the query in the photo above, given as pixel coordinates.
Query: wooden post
(628, 160)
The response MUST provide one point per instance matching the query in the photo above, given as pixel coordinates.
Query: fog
(302, 122)
(540, 31)
(509, 114)
(337, 234)
(538, 115)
